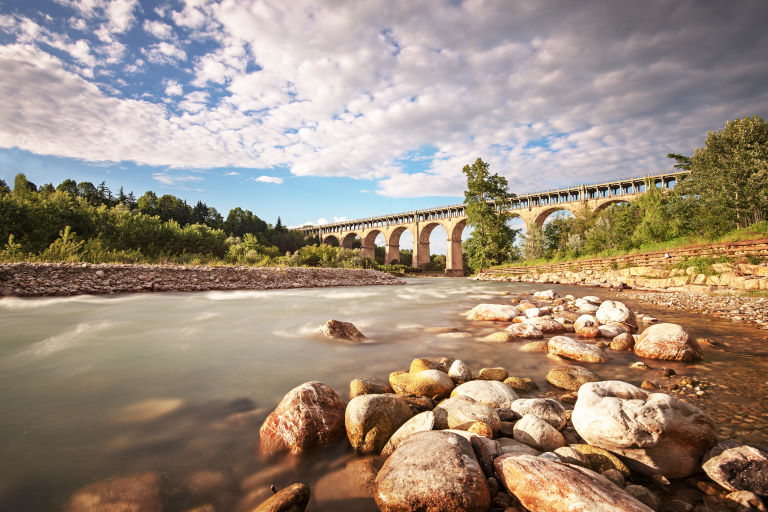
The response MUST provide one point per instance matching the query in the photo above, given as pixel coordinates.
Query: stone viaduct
(531, 208)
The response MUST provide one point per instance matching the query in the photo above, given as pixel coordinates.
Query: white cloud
(174, 179)
(233, 173)
(158, 29)
(269, 179)
(173, 88)
(164, 53)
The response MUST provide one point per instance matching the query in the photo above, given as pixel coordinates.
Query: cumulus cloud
(158, 29)
(173, 88)
(164, 53)
(174, 179)
(269, 179)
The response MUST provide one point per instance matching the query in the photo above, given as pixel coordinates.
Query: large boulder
(492, 393)
(547, 486)
(612, 311)
(585, 321)
(309, 415)
(655, 432)
(537, 433)
(669, 342)
(545, 325)
(427, 383)
(345, 331)
(570, 377)
(569, 348)
(737, 467)
(136, 492)
(422, 422)
(372, 419)
(435, 472)
(525, 331)
(547, 409)
(587, 305)
(460, 412)
(494, 312)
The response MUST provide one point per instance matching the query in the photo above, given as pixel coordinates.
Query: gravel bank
(49, 279)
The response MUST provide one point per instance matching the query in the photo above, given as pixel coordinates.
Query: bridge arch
(602, 205)
(541, 218)
(331, 240)
(348, 240)
(393, 244)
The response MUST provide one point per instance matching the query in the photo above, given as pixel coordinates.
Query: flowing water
(93, 388)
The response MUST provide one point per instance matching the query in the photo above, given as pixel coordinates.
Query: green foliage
(12, 251)
(65, 248)
(533, 243)
(487, 198)
(702, 264)
(754, 259)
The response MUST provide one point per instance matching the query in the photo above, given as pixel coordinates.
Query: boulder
(494, 312)
(588, 332)
(570, 377)
(613, 311)
(585, 321)
(547, 409)
(611, 330)
(367, 386)
(308, 416)
(546, 325)
(737, 467)
(669, 342)
(372, 419)
(525, 331)
(537, 433)
(622, 342)
(432, 471)
(427, 383)
(540, 347)
(521, 384)
(459, 371)
(498, 337)
(655, 432)
(342, 331)
(293, 498)
(422, 422)
(461, 411)
(564, 346)
(142, 492)
(493, 374)
(420, 364)
(492, 393)
(585, 306)
(547, 486)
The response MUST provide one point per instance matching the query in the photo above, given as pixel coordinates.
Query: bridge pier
(391, 253)
(454, 261)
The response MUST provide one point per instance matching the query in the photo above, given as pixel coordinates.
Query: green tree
(69, 186)
(147, 203)
(487, 200)
(533, 243)
(4, 188)
(22, 187)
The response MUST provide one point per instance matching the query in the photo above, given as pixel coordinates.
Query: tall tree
(487, 199)
(22, 186)
(4, 188)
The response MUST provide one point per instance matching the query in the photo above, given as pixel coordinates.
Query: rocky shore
(444, 437)
(51, 279)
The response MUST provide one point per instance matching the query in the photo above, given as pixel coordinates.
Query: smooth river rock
(585, 321)
(537, 433)
(492, 393)
(459, 371)
(613, 311)
(669, 342)
(427, 383)
(338, 330)
(544, 485)
(655, 432)
(493, 312)
(309, 415)
(564, 346)
(570, 377)
(461, 411)
(525, 331)
(547, 409)
(738, 467)
(433, 472)
(546, 325)
(367, 386)
(372, 419)
(422, 422)
(142, 492)
(293, 498)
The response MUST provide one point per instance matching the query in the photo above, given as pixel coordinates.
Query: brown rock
(564, 346)
(570, 377)
(521, 384)
(342, 331)
(668, 342)
(588, 332)
(141, 492)
(737, 467)
(371, 420)
(420, 364)
(535, 347)
(309, 415)
(623, 341)
(493, 374)
(428, 383)
(367, 386)
(293, 498)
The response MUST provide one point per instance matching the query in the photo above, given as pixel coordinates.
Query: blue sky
(316, 110)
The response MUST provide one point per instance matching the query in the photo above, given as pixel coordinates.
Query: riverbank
(57, 279)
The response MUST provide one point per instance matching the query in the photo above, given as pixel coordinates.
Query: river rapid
(97, 387)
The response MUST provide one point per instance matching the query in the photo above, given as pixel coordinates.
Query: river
(95, 387)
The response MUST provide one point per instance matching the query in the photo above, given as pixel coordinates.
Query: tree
(533, 242)
(729, 177)
(147, 203)
(487, 199)
(22, 186)
(69, 186)
(4, 188)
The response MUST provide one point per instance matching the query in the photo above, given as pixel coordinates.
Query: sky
(324, 110)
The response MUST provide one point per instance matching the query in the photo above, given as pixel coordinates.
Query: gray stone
(564, 346)
(547, 409)
(537, 433)
(492, 393)
(462, 411)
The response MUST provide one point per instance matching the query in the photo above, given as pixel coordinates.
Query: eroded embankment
(48, 279)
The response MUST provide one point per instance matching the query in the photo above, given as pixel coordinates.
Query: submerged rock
(493, 312)
(309, 415)
(540, 347)
(498, 337)
(564, 346)
(142, 492)
(655, 432)
(570, 377)
(293, 498)
(525, 331)
(432, 471)
(342, 331)
(668, 342)
(547, 486)
(371, 420)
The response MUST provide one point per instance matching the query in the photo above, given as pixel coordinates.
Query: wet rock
(745, 501)
(309, 415)
(535, 347)
(585, 321)
(293, 498)
(655, 432)
(371, 420)
(142, 492)
(353, 481)
(588, 332)
(420, 364)
(600, 460)
(525, 331)
(498, 374)
(570, 377)
(668, 342)
(610, 331)
(571, 456)
(434, 471)
(459, 372)
(612, 311)
(645, 495)
(537, 433)
(587, 306)
(462, 411)
(493, 312)
(521, 384)
(737, 467)
(546, 325)
(498, 337)
(547, 486)
(622, 342)
(564, 346)
(367, 386)
(492, 393)
(547, 409)
(422, 422)
(427, 383)
(342, 331)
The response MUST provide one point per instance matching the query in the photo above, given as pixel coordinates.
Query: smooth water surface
(93, 388)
